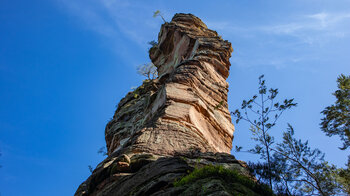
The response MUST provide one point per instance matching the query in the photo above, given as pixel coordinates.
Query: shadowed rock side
(180, 121)
(148, 174)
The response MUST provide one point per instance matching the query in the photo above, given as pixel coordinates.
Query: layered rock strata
(161, 129)
(149, 174)
(186, 106)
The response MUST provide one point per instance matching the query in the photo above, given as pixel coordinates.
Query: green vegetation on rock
(231, 180)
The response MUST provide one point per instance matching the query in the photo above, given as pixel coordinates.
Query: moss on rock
(211, 179)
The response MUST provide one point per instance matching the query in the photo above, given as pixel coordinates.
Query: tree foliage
(91, 169)
(149, 70)
(266, 112)
(158, 13)
(291, 167)
(302, 169)
(337, 116)
(343, 177)
(102, 151)
(336, 121)
(153, 43)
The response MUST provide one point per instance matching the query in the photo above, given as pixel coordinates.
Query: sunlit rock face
(186, 106)
(170, 125)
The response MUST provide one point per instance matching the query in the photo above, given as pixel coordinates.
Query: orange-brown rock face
(171, 125)
(185, 108)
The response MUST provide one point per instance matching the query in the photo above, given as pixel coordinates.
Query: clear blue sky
(65, 64)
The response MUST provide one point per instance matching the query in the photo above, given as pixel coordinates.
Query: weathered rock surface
(149, 174)
(170, 125)
(186, 107)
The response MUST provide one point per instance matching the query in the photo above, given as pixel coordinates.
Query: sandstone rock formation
(170, 125)
(186, 107)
